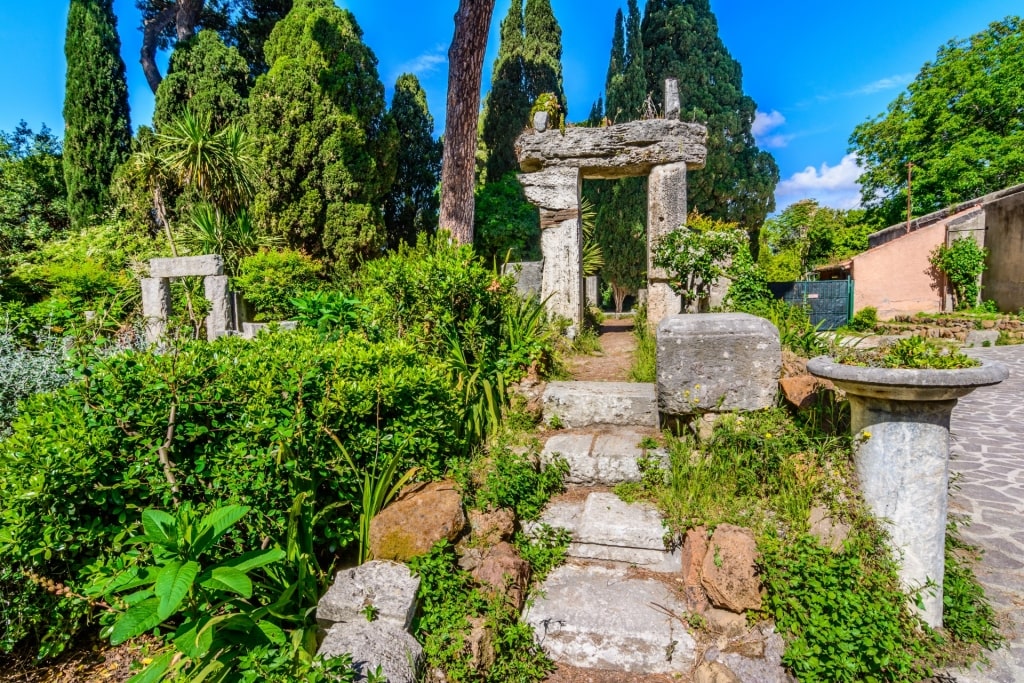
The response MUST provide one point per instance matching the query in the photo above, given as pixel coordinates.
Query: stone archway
(554, 164)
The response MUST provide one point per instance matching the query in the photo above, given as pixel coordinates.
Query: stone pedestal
(900, 424)
(219, 319)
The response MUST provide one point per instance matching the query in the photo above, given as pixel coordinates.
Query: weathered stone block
(184, 266)
(729, 572)
(562, 282)
(219, 319)
(389, 587)
(156, 307)
(528, 274)
(553, 189)
(602, 460)
(980, 337)
(598, 618)
(252, 330)
(372, 644)
(717, 362)
(422, 515)
(578, 404)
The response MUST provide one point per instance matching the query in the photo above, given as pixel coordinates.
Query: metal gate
(830, 302)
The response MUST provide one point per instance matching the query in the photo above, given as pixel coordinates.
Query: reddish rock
(695, 547)
(729, 572)
(800, 390)
(494, 527)
(481, 645)
(502, 571)
(422, 515)
(714, 672)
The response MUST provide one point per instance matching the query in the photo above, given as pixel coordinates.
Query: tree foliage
(508, 104)
(97, 129)
(697, 255)
(542, 52)
(962, 262)
(323, 140)
(507, 226)
(681, 40)
(207, 77)
(411, 205)
(33, 197)
(961, 124)
(806, 235)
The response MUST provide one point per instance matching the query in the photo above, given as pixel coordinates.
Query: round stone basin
(906, 384)
(900, 424)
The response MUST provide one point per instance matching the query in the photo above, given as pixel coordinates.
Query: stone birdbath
(900, 425)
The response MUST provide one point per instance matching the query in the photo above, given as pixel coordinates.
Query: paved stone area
(988, 469)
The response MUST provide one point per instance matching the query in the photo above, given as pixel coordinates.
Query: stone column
(218, 320)
(156, 307)
(556, 192)
(666, 211)
(593, 291)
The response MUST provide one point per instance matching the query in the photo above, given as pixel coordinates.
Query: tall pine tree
(411, 205)
(508, 104)
(681, 41)
(97, 134)
(542, 52)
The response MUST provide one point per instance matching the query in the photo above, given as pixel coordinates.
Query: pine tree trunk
(465, 68)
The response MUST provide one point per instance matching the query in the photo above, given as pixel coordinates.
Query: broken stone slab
(374, 644)
(981, 338)
(759, 664)
(540, 121)
(580, 404)
(597, 617)
(187, 266)
(604, 527)
(618, 151)
(389, 587)
(603, 459)
(253, 330)
(729, 573)
(717, 362)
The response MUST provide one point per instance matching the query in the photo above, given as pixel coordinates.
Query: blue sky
(815, 69)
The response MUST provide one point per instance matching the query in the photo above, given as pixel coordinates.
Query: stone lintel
(185, 266)
(622, 150)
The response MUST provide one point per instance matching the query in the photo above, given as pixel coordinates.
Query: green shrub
(962, 262)
(506, 226)
(25, 371)
(248, 427)
(269, 280)
(864, 320)
(514, 480)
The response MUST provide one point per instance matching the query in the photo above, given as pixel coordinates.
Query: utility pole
(910, 192)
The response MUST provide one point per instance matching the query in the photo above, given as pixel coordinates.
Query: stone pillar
(593, 291)
(156, 307)
(672, 99)
(666, 211)
(901, 453)
(556, 192)
(218, 320)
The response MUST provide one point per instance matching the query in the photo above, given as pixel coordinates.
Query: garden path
(987, 449)
(616, 358)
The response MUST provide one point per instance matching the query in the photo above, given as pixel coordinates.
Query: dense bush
(269, 280)
(26, 371)
(247, 424)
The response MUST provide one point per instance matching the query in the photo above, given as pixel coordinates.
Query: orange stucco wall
(896, 278)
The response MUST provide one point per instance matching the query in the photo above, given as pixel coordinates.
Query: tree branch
(164, 452)
(152, 27)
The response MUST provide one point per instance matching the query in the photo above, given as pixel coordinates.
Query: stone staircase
(618, 604)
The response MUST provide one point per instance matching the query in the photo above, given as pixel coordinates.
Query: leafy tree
(697, 255)
(33, 197)
(465, 67)
(961, 124)
(323, 140)
(542, 52)
(806, 235)
(508, 104)
(251, 30)
(681, 40)
(208, 78)
(507, 226)
(411, 205)
(97, 129)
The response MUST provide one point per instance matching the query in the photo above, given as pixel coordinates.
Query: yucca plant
(593, 257)
(484, 397)
(235, 236)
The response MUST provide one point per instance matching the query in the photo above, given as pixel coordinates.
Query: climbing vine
(962, 262)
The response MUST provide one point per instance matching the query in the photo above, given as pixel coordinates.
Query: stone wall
(1003, 281)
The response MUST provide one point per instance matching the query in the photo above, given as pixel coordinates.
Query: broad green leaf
(136, 621)
(154, 673)
(274, 633)
(172, 585)
(229, 579)
(255, 559)
(193, 638)
(160, 527)
(213, 526)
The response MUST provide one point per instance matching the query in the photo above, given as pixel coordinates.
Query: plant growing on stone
(962, 262)
(697, 255)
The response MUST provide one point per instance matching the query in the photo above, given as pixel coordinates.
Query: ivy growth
(962, 262)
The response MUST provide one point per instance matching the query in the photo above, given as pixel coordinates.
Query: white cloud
(834, 186)
(426, 63)
(765, 123)
(898, 81)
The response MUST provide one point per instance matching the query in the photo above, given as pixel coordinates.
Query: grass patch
(644, 361)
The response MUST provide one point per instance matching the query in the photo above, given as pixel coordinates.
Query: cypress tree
(97, 134)
(681, 40)
(411, 205)
(207, 77)
(542, 52)
(508, 104)
(322, 137)
(596, 118)
(616, 70)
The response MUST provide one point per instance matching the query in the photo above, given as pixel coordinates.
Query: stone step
(602, 459)
(599, 617)
(604, 527)
(580, 404)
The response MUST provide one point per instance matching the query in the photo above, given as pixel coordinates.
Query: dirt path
(612, 365)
